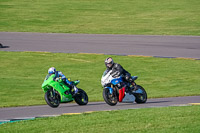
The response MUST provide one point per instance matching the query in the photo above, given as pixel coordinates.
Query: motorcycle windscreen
(121, 94)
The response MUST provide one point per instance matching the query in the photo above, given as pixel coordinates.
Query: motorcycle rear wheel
(52, 98)
(81, 98)
(110, 99)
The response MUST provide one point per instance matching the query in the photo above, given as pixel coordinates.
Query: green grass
(147, 17)
(148, 120)
(22, 74)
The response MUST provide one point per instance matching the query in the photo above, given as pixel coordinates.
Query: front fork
(53, 93)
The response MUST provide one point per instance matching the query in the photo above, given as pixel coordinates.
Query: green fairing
(59, 86)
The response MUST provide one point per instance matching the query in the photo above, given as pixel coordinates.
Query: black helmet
(109, 62)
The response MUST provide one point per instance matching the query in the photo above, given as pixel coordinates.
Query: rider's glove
(55, 79)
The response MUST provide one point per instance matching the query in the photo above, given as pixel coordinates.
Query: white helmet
(51, 70)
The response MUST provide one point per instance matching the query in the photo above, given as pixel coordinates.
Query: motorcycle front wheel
(110, 99)
(81, 97)
(52, 98)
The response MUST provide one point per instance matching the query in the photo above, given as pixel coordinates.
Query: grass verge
(22, 74)
(147, 17)
(152, 120)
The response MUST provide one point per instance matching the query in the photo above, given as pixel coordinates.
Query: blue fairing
(117, 81)
(110, 89)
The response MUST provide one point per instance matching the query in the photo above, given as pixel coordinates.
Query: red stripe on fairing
(121, 94)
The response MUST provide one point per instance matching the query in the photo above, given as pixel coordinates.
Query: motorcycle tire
(81, 97)
(140, 98)
(110, 100)
(53, 102)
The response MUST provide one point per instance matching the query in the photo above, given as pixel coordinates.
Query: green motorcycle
(56, 92)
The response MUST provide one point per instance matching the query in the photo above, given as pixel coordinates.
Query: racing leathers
(118, 70)
(60, 74)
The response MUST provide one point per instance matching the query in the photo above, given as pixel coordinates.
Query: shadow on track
(1, 46)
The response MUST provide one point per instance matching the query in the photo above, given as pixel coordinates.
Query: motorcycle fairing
(58, 86)
(116, 81)
(121, 94)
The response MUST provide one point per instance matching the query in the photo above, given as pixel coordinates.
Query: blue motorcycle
(117, 90)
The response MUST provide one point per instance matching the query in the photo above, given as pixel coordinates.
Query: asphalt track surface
(164, 46)
(161, 46)
(45, 110)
